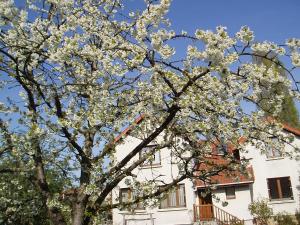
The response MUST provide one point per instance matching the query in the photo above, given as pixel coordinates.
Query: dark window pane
(230, 192)
(273, 189)
(280, 188)
(236, 155)
(286, 187)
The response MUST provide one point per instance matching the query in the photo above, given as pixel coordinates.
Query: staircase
(212, 215)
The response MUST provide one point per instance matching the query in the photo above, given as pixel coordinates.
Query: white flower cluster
(152, 16)
(245, 35)
(294, 45)
(266, 47)
(215, 46)
(7, 11)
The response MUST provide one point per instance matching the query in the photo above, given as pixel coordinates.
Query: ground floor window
(230, 192)
(174, 198)
(127, 195)
(280, 188)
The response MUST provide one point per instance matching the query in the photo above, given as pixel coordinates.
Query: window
(273, 152)
(153, 158)
(175, 198)
(127, 195)
(280, 188)
(222, 149)
(230, 192)
(236, 155)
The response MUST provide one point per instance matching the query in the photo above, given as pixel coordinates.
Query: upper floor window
(222, 149)
(273, 152)
(175, 198)
(280, 188)
(153, 156)
(127, 195)
(236, 155)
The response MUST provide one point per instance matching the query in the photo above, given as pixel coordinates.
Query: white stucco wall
(169, 216)
(237, 207)
(270, 168)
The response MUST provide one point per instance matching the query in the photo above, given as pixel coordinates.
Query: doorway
(205, 206)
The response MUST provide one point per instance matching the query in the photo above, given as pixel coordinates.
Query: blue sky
(274, 20)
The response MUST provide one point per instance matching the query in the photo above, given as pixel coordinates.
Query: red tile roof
(127, 131)
(292, 130)
(228, 178)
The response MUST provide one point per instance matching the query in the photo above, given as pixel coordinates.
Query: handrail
(224, 217)
(212, 212)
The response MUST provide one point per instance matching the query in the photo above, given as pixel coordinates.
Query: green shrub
(297, 215)
(261, 211)
(284, 219)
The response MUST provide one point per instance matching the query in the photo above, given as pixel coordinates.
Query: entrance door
(205, 206)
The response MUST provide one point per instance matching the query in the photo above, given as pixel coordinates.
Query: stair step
(206, 223)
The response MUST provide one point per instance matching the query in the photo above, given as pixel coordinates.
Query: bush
(284, 219)
(297, 215)
(261, 211)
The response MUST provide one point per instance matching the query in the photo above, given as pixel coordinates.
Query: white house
(271, 176)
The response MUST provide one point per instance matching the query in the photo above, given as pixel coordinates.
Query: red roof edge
(127, 131)
(292, 130)
(286, 126)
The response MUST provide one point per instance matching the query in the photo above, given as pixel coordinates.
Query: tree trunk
(78, 209)
(56, 217)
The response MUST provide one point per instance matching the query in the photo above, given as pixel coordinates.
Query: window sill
(137, 211)
(150, 166)
(282, 201)
(275, 158)
(172, 209)
(230, 198)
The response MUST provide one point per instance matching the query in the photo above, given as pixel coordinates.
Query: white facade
(148, 216)
(265, 168)
(245, 193)
(237, 206)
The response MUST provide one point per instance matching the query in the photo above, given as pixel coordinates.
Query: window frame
(139, 205)
(273, 151)
(177, 194)
(228, 196)
(279, 188)
(147, 162)
(222, 149)
(273, 155)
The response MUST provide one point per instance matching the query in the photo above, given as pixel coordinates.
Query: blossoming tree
(75, 72)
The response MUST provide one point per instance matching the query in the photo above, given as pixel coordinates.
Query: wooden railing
(203, 212)
(225, 218)
(212, 212)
